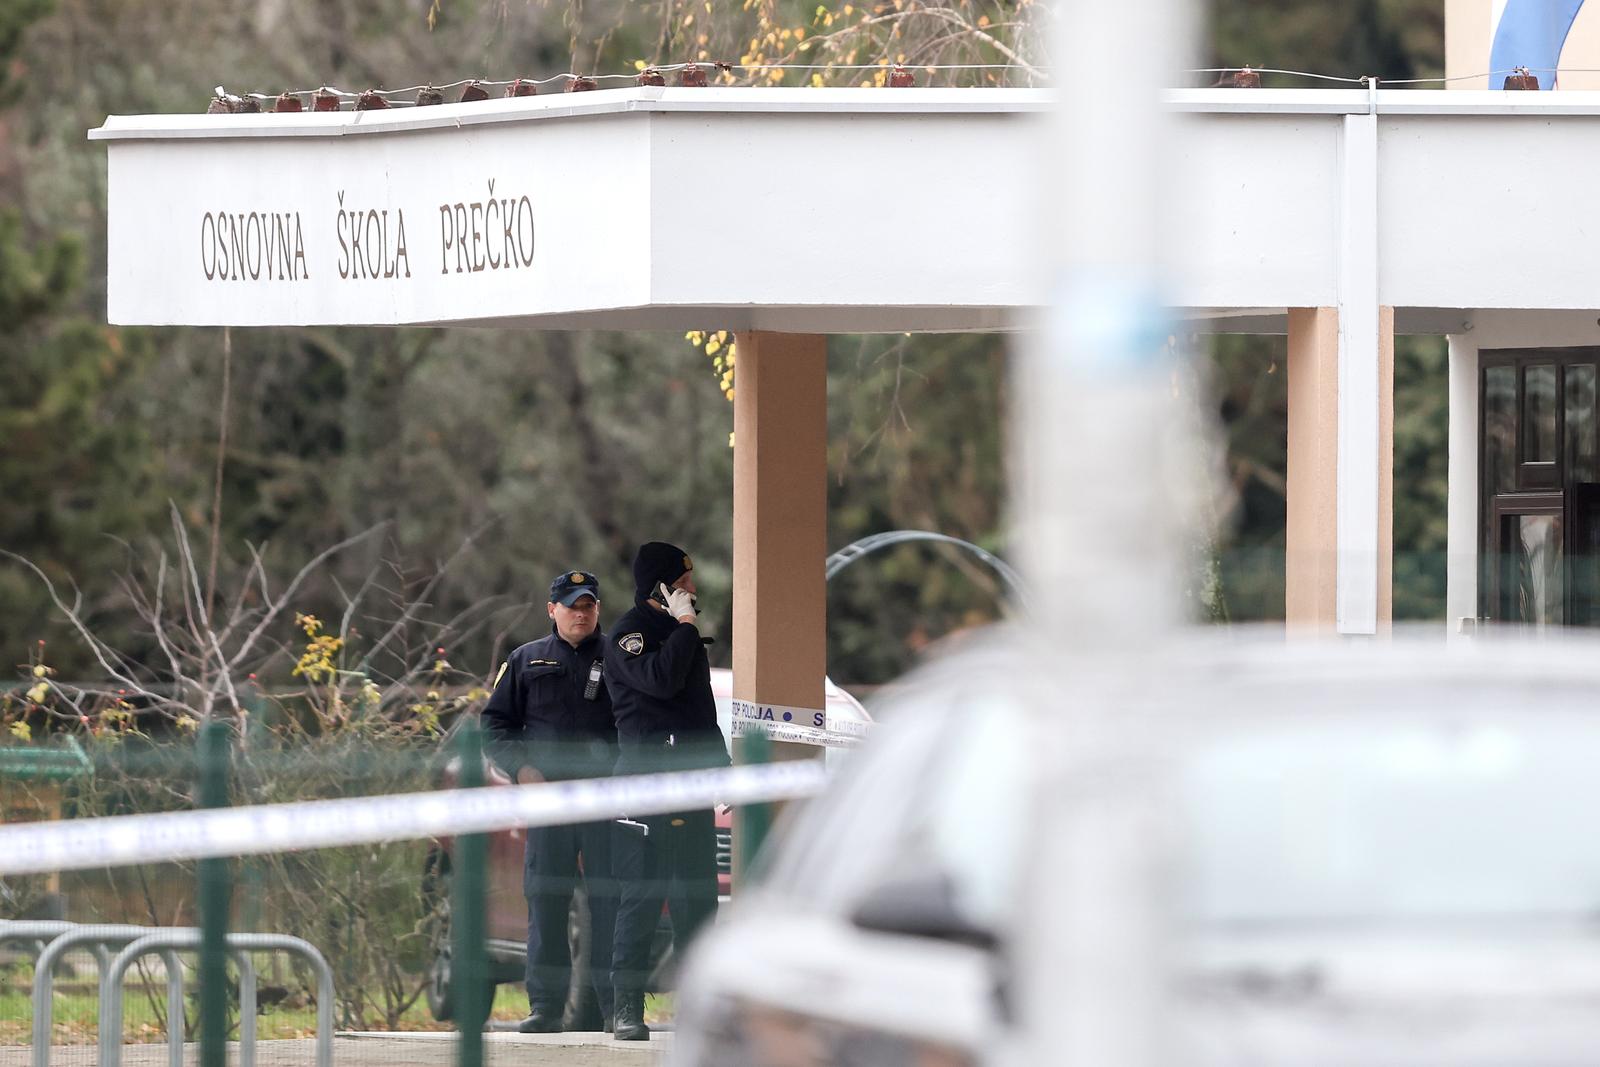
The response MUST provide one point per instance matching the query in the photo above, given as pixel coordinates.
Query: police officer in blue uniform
(660, 681)
(548, 719)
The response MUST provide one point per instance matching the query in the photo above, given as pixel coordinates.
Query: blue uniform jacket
(660, 682)
(537, 715)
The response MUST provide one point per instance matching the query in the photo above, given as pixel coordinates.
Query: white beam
(639, 216)
(1356, 573)
(1461, 530)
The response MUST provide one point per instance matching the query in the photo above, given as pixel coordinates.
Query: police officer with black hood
(660, 679)
(548, 719)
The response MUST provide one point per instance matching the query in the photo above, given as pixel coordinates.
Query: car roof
(1218, 675)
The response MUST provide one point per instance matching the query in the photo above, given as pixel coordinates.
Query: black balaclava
(658, 562)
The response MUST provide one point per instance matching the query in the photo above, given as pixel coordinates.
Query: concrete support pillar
(1311, 493)
(1461, 582)
(1313, 547)
(780, 530)
(1385, 468)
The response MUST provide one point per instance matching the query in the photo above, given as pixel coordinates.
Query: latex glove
(679, 603)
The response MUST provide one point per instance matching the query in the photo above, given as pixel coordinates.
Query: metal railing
(97, 938)
(239, 945)
(54, 939)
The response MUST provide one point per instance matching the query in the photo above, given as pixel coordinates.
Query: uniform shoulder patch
(632, 644)
(501, 675)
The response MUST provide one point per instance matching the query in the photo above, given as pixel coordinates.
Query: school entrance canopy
(1335, 216)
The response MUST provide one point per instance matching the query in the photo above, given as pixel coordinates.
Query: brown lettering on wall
(372, 244)
(252, 246)
(486, 234)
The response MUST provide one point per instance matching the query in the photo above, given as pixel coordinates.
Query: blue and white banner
(805, 726)
(1529, 33)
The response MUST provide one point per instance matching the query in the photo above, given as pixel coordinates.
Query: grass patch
(75, 1011)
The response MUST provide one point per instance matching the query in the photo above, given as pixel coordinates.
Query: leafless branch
(275, 607)
(409, 611)
(103, 653)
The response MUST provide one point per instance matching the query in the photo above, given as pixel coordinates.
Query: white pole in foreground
(1100, 513)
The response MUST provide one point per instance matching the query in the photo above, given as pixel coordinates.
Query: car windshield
(939, 789)
(1372, 822)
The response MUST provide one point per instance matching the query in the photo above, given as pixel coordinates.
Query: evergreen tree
(75, 470)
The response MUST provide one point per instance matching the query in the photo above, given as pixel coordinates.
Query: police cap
(571, 585)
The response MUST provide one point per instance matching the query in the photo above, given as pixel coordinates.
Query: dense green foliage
(1253, 404)
(1390, 39)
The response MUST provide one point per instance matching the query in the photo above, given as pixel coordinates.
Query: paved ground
(402, 1050)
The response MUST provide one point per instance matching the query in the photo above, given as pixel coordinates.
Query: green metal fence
(390, 918)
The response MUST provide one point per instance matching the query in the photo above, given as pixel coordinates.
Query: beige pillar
(1311, 548)
(780, 529)
(1466, 44)
(1311, 493)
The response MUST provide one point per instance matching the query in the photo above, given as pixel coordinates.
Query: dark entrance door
(1539, 490)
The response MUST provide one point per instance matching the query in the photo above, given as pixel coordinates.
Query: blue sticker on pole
(1109, 326)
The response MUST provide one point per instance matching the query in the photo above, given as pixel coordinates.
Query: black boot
(541, 1021)
(629, 1019)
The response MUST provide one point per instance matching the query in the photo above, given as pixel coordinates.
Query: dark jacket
(660, 682)
(537, 715)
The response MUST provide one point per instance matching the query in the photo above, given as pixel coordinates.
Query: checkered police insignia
(632, 644)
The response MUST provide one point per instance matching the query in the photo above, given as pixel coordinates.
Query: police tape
(124, 840)
(806, 726)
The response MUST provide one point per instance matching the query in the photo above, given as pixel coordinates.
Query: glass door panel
(1583, 557)
(1539, 486)
(1529, 564)
(1578, 423)
(1499, 430)
(1539, 427)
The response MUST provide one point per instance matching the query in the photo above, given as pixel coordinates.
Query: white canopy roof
(832, 210)
(798, 210)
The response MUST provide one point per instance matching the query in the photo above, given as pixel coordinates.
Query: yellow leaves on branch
(316, 663)
(723, 351)
(40, 689)
(954, 41)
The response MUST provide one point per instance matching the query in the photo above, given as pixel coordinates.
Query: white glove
(679, 602)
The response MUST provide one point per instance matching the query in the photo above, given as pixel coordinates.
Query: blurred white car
(1380, 853)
